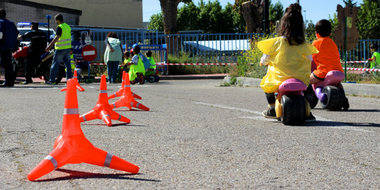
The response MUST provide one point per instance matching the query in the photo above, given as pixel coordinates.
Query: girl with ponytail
(287, 56)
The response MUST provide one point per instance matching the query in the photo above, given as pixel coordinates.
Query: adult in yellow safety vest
(62, 43)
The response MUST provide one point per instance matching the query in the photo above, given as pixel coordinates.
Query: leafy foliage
(369, 19)
(211, 17)
(156, 22)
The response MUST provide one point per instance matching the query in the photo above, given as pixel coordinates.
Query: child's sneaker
(310, 118)
(270, 113)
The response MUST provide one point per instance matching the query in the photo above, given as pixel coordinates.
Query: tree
(169, 12)
(188, 17)
(310, 31)
(369, 19)
(276, 12)
(253, 13)
(156, 22)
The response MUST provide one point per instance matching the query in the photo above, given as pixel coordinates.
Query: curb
(371, 90)
(192, 77)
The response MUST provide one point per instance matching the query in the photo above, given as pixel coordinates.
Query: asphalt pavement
(197, 135)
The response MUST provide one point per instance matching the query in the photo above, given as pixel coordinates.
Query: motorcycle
(291, 105)
(329, 92)
(41, 70)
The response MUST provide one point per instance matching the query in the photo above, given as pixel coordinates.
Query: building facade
(104, 13)
(27, 11)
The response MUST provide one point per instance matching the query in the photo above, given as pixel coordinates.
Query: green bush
(190, 69)
(248, 63)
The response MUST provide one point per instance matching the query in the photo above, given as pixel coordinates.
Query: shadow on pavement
(114, 125)
(337, 123)
(86, 175)
(363, 110)
(351, 110)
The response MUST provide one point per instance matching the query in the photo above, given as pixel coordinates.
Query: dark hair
(111, 35)
(149, 54)
(136, 49)
(35, 25)
(59, 17)
(3, 14)
(323, 28)
(292, 26)
(126, 53)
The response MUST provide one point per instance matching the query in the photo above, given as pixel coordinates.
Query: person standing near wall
(8, 43)
(113, 56)
(62, 43)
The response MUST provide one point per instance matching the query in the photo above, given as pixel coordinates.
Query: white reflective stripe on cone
(52, 160)
(70, 111)
(107, 161)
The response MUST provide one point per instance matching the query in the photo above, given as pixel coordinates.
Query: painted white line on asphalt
(258, 118)
(229, 107)
(261, 118)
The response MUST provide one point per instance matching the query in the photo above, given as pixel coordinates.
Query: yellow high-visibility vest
(64, 42)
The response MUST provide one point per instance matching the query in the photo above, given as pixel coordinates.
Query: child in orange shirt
(328, 58)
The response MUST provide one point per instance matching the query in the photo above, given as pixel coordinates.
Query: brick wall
(21, 13)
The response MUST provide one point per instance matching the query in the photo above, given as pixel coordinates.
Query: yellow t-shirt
(285, 61)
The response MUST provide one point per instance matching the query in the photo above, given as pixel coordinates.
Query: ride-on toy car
(329, 92)
(291, 105)
(152, 75)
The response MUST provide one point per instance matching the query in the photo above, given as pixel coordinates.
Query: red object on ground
(21, 53)
(103, 110)
(121, 90)
(72, 147)
(127, 99)
(89, 53)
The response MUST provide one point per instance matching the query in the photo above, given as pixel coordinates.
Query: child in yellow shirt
(287, 56)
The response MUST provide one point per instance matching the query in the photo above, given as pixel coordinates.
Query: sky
(313, 9)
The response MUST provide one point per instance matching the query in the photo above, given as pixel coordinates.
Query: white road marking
(261, 118)
(228, 107)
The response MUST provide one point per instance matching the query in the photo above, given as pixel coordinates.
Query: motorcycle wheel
(293, 109)
(334, 98)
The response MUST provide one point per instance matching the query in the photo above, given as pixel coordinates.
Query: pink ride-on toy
(329, 92)
(291, 106)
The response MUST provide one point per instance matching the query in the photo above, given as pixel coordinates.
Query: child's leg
(270, 112)
(271, 98)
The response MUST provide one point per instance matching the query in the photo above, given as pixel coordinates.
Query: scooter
(291, 105)
(329, 92)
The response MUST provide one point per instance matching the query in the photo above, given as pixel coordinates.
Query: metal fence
(203, 48)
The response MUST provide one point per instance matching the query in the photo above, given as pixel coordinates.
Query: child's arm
(264, 60)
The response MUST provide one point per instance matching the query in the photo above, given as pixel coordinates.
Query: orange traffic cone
(72, 147)
(127, 100)
(120, 91)
(77, 82)
(103, 110)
